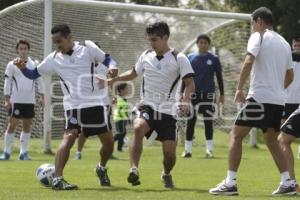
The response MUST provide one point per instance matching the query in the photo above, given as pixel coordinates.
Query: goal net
(120, 29)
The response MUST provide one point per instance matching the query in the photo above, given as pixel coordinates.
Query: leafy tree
(286, 14)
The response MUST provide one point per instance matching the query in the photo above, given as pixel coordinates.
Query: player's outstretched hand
(239, 97)
(19, 63)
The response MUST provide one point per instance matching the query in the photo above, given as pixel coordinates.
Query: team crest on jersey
(17, 112)
(146, 116)
(209, 62)
(289, 126)
(73, 120)
(72, 60)
(158, 66)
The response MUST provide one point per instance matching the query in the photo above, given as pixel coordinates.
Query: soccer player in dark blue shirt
(206, 65)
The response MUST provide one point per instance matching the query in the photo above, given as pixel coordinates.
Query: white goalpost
(119, 28)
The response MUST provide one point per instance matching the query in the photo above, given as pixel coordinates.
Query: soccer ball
(45, 174)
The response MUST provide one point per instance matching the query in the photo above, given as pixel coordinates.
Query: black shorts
(292, 125)
(203, 103)
(260, 115)
(163, 124)
(22, 111)
(121, 126)
(91, 121)
(289, 108)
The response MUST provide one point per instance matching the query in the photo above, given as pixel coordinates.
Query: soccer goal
(120, 29)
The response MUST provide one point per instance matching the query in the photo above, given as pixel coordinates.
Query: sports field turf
(193, 177)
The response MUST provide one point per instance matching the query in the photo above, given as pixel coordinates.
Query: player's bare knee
(237, 137)
(283, 140)
(139, 130)
(70, 137)
(11, 128)
(170, 156)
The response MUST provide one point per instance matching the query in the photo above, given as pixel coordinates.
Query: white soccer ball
(45, 174)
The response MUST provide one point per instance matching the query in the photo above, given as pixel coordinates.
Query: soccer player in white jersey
(269, 60)
(84, 111)
(161, 67)
(293, 91)
(291, 128)
(112, 72)
(20, 101)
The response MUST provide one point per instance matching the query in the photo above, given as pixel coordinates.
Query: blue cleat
(24, 156)
(5, 156)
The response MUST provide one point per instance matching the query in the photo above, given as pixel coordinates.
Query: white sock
(133, 169)
(209, 145)
(253, 137)
(8, 140)
(285, 178)
(101, 167)
(231, 177)
(188, 146)
(79, 152)
(24, 142)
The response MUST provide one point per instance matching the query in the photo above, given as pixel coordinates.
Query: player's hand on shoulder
(111, 81)
(19, 63)
(101, 83)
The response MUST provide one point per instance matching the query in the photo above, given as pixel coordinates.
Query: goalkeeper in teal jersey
(121, 116)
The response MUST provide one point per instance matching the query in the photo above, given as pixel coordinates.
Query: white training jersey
(273, 58)
(293, 91)
(160, 77)
(77, 72)
(23, 88)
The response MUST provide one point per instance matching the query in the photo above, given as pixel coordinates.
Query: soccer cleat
(5, 156)
(286, 190)
(224, 189)
(186, 154)
(78, 156)
(103, 177)
(168, 181)
(133, 177)
(255, 146)
(112, 157)
(49, 152)
(24, 156)
(209, 154)
(62, 184)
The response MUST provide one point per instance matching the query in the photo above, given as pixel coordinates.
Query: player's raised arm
(125, 76)
(131, 74)
(29, 73)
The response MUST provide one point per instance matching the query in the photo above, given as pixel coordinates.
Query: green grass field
(257, 176)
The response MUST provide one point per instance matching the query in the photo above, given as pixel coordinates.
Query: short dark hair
(22, 41)
(296, 39)
(203, 36)
(121, 87)
(158, 28)
(63, 29)
(263, 13)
